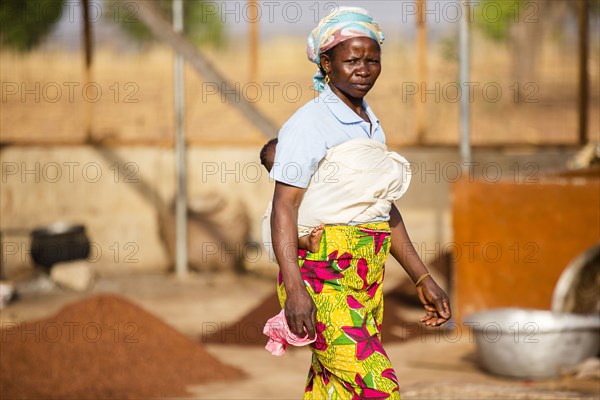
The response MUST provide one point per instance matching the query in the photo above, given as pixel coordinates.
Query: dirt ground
(430, 367)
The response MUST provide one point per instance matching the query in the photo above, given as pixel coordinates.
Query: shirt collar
(342, 112)
(370, 113)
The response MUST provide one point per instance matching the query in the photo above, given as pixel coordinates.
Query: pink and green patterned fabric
(345, 281)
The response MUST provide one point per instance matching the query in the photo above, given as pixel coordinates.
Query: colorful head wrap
(342, 24)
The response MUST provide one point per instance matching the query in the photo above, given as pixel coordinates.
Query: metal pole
(253, 9)
(88, 53)
(181, 266)
(421, 107)
(583, 71)
(465, 105)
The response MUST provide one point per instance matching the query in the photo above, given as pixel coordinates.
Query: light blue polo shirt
(317, 126)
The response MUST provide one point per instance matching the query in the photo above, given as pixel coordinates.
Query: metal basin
(578, 286)
(525, 343)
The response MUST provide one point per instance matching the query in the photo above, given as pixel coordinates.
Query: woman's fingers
(313, 320)
(300, 313)
(295, 324)
(310, 328)
(436, 315)
(432, 321)
(302, 324)
(442, 307)
(429, 308)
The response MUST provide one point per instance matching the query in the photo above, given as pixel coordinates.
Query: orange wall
(513, 240)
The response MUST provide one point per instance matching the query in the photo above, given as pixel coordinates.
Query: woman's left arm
(434, 299)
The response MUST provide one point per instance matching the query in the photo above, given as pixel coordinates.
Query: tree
(24, 23)
(494, 18)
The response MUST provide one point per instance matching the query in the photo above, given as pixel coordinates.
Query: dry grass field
(45, 98)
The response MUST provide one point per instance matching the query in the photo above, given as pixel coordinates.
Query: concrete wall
(76, 184)
(80, 184)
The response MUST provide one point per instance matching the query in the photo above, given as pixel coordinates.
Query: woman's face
(354, 66)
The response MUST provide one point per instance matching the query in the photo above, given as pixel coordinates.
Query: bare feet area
(314, 238)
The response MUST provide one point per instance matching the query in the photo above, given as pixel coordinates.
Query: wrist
(422, 278)
(294, 287)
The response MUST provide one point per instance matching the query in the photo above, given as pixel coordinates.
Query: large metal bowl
(579, 284)
(525, 343)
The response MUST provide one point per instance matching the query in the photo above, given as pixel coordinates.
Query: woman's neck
(355, 103)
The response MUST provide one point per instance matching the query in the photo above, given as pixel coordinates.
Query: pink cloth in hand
(280, 335)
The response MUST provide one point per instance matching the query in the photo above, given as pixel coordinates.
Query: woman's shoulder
(311, 112)
(306, 121)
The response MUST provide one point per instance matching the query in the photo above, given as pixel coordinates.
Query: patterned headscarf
(342, 24)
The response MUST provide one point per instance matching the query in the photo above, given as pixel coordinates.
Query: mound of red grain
(103, 347)
(247, 331)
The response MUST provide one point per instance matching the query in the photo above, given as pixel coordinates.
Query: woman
(336, 293)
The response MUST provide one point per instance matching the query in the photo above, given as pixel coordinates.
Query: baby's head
(267, 154)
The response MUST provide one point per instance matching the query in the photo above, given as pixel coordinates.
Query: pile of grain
(247, 331)
(103, 347)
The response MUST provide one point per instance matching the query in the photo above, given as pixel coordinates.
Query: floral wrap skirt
(344, 278)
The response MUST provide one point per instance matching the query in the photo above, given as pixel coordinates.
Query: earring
(327, 78)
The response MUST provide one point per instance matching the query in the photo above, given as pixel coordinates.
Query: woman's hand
(301, 313)
(435, 301)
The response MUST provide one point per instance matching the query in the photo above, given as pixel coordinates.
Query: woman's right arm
(434, 299)
(300, 310)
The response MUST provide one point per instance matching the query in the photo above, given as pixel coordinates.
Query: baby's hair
(267, 154)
